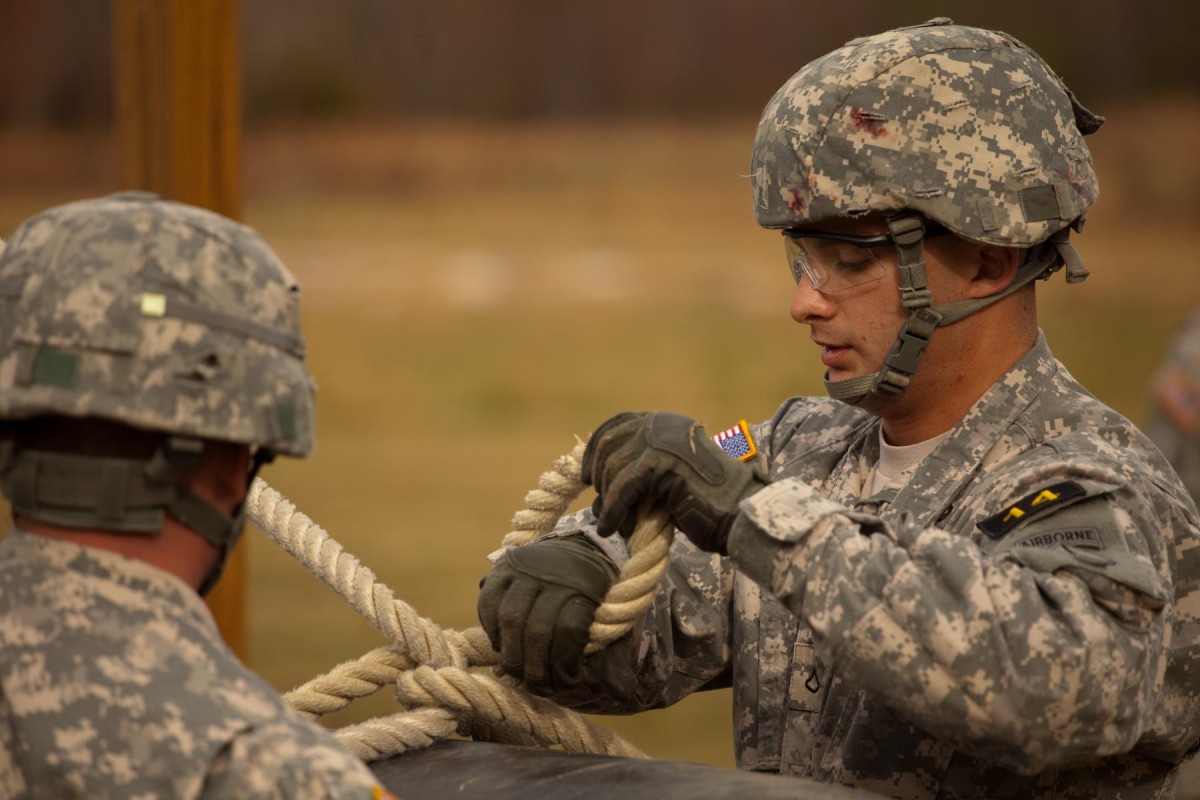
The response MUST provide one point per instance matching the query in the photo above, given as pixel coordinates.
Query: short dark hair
(84, 436)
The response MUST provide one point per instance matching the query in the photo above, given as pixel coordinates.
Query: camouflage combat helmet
(965, 127)
(156, 315)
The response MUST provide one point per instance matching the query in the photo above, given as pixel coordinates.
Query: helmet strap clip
(173, 458)
(908, 232)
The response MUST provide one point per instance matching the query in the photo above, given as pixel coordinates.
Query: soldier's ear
(220, 475)
(994, 268)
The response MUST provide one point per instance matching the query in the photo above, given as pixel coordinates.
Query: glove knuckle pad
(677, 436)
(602, 441)
(574, 565)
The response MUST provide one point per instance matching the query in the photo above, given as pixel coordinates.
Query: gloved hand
(669, 460)
(537, 604)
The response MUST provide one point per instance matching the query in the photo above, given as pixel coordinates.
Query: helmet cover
(155, 314)
(967, 126)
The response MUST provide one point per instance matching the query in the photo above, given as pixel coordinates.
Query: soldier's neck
(174, 549)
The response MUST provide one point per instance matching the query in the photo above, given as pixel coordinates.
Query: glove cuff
(723, 526)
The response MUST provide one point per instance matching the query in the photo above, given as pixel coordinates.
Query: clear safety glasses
(835, 262)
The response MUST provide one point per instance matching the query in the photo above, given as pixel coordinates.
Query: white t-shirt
(896, 461)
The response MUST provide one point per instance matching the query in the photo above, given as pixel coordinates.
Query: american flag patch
(737, 442)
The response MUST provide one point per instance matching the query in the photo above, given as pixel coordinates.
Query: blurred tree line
(520, 58)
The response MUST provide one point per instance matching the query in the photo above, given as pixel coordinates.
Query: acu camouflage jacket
(1173, 416)
(1020, 618)
(114, 683)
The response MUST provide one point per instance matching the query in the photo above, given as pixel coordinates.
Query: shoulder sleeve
(807, 436)
(290, 759)
(681, 646)
(1089, 526)
(1003, 644)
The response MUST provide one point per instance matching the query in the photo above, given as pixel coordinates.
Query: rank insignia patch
(1033, 505)
(737, 442)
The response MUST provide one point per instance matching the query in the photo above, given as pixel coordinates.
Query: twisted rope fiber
(428, 664)
(309, 544)
(649, 545)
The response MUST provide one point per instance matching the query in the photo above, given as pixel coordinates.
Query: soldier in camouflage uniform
(961, 576)
(1173, 420)
(1173, 423)
(150, 361)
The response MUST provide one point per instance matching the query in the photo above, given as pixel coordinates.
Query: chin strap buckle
(901, 364)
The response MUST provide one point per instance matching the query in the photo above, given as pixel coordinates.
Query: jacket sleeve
(1043, 647)
(682, 645)
(290, 759)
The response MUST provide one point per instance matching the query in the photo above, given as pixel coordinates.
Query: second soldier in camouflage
(963, 575)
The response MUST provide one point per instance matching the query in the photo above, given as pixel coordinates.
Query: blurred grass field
(475, 296)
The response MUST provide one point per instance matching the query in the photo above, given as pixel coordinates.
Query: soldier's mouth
(834, 356)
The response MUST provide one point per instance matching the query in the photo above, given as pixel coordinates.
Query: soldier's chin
(833, 374)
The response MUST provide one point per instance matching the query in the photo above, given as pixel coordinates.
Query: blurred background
(514, 219)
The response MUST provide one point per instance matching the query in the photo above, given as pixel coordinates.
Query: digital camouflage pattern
(1019, 614)
(116, 684)
(1173, 418)
(155, 314)
(888, 643)
(967, 126)
(1173, 423)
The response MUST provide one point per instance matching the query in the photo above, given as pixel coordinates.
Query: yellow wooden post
(178, 129)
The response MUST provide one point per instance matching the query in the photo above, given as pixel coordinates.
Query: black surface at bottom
(467, 770)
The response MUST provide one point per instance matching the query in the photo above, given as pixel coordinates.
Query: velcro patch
(1040, 203)
(54, 367)
(1178, 400)
(737, 442)
(1036, 503)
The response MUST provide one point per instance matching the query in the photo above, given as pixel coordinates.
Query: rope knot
(429, 666)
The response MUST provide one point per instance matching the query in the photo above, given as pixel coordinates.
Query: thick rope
(398, 733)
(632, 594)
(305, 541)
(349, 681)
(427, 665)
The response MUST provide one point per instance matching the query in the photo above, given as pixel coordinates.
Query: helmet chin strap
(123, 496)
(228, 530)
(872, 392)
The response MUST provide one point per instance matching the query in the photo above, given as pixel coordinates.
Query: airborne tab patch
(1037, 503)
(1087, 538)
(737, 442)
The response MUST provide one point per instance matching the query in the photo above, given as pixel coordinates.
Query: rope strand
(428, 665)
